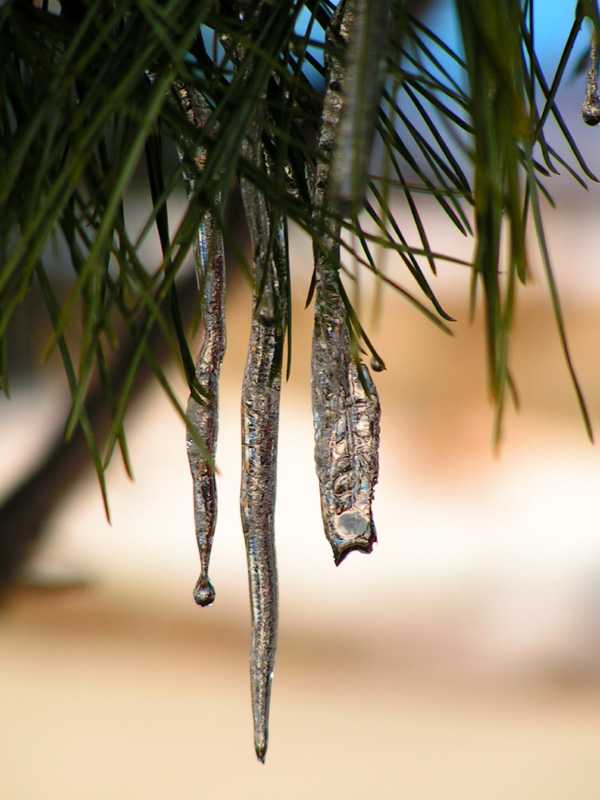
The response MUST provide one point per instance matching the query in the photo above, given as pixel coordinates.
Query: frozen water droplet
(261, 751)
(340, 447)
(266, 310)
(352, 524)
(590, 111)
(204, 593)
(377, 365)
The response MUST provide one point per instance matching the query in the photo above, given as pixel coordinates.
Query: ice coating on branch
(368, 22)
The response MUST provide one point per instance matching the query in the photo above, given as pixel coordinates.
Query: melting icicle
(260, 421)
(345, 404)
(346, 418)
(377, 364)
(204, 416)
(590, 110)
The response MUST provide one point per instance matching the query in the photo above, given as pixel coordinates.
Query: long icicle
(260, 421)
(204, 416)
(345, 405)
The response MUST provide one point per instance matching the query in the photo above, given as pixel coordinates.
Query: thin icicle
(345, 404)
(204, 416)
(260, 422)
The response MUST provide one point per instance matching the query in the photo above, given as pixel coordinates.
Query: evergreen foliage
(86, 96)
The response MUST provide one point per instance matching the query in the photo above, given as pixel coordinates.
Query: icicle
(345, 404)
(346, 419)
(210, 270)
(205, 417)
(361, 94)
(260, 420)
(590, 110)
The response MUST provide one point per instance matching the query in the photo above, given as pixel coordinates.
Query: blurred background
(461, 659)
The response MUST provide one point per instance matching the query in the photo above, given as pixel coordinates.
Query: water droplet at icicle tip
(590, 111)
(204, 592)
(377, 364)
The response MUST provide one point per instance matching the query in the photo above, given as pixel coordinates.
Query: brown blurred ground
(101, 700)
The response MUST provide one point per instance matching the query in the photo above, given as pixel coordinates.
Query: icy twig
(344, 399)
